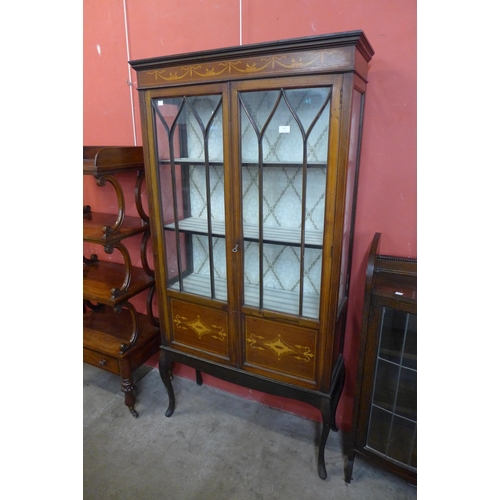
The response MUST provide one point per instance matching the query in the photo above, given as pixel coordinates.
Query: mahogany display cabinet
(384, 428)
(251, 160)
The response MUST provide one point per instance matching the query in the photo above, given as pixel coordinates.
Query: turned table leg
(128, 389)
(127, 383)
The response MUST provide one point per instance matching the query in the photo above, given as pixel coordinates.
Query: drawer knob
(102, 362)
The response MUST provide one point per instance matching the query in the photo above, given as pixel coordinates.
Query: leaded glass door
(283, 157)
(392, 424)
(189, 150)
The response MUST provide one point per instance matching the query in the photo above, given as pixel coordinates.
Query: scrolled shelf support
(135, 325)
(93, 259)
(144, 260)
(138, 199)
(101, 181)
(149, 306)
(93, 307)
(109, 249)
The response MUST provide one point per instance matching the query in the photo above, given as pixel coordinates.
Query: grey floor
(215, 446)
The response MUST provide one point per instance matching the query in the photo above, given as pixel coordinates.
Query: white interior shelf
(274, 299)
(245, 162)
(251, 232)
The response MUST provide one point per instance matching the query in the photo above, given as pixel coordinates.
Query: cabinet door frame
(262, 85)
(330, 261)
(156, 205)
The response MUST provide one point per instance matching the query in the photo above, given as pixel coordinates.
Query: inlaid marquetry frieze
(200, 328)
(309, 61)
(280, 348)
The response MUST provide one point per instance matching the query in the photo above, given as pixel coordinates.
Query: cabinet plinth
(251, 169)
(116, 337)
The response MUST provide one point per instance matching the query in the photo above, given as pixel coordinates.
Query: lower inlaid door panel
(281, 351)
(199, 328)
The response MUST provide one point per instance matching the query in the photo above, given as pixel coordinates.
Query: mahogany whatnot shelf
(117, 338)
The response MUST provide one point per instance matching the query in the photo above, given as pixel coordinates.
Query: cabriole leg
(166, 376)
(326, 415)
(336, 395)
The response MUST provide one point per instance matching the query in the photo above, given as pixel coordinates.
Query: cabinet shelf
(244, 163)
(100, 278)
(109, 160)
(105, 331)
(282, 300)
(283, 236)
(274, 299)
(94, 225)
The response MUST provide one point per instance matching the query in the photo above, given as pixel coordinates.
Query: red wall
(387, 196)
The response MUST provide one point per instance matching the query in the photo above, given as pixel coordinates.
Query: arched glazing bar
(206, 133)
(260, 136)
(170, 130)
(190, 126)
(305, 136)
(282, 100)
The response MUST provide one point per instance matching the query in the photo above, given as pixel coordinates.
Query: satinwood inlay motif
(281, 348)
(245, 66)
(200, 328)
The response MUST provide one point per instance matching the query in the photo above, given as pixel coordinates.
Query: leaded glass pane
(392, 426)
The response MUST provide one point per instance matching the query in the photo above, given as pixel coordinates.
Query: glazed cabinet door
(286, 164)
(283, 166)
(190, 149)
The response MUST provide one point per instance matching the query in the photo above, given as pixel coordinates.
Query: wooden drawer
(101, 360)
(198, 327)
(280, 351)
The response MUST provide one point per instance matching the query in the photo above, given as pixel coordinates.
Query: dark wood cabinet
(384, 425)
(116, 337)
(251, 158)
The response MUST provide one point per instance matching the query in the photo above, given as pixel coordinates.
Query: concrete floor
(215, 446)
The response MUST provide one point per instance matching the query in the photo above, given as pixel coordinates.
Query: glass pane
(413, 456)
(402, 440)
(392, 425)
(190, 158)
(406, 402)
(351, 181)
(284, 144)
(410, 351)
(386, 384)
(392, 334)
(282, 277)
(379, 430)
